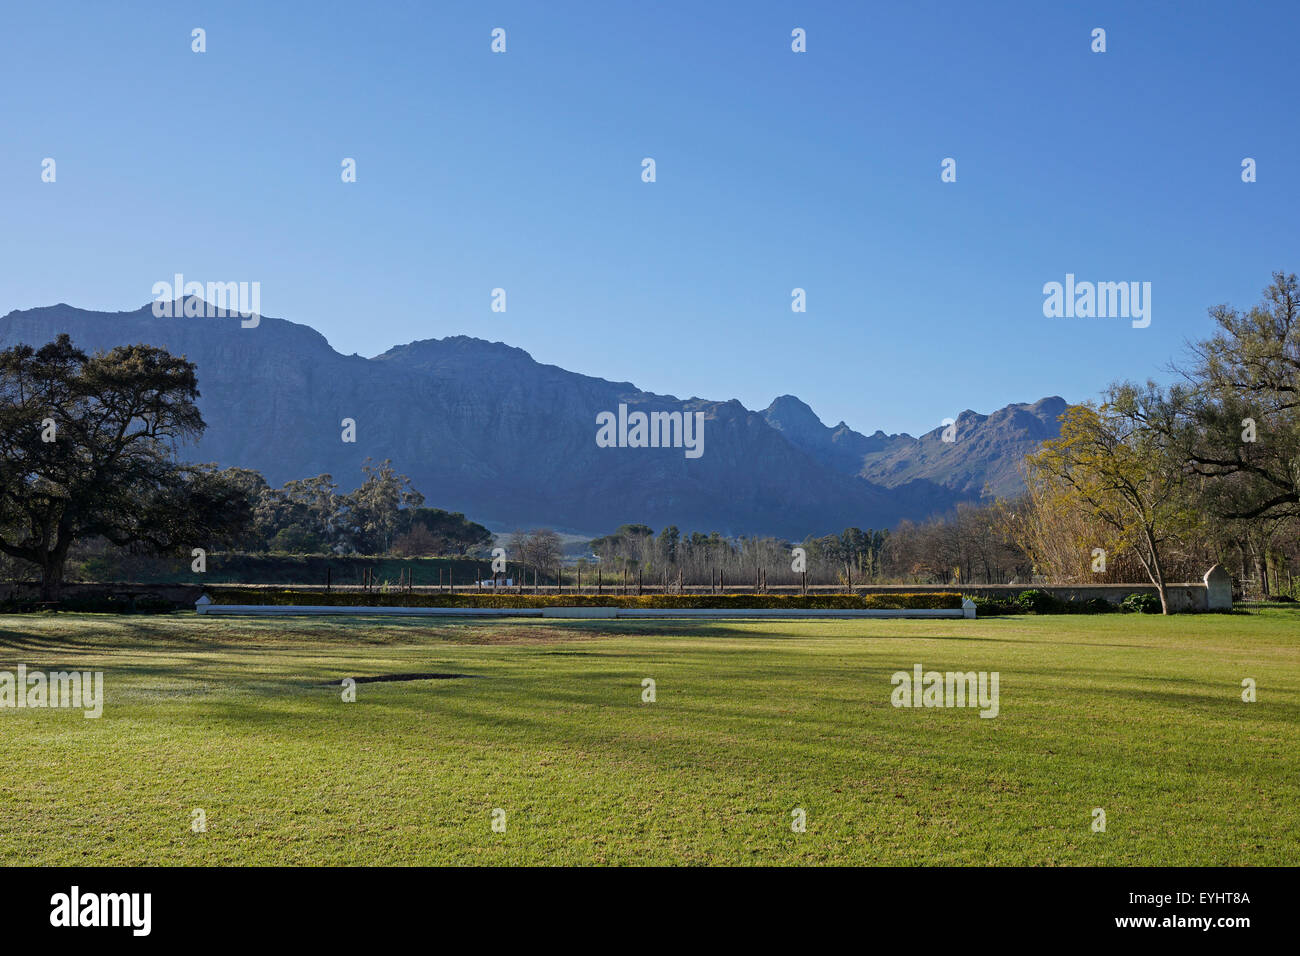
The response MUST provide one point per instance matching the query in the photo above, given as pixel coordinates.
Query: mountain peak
(789, 413)
(423, 351)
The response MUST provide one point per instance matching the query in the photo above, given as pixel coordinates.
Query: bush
(91, 604)
(989, 607)
(1040, 602)
(1098, 606)
(835, 602)
(1140, 604)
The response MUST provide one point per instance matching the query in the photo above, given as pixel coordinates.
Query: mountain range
(482, 428)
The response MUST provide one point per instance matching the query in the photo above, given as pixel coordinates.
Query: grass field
(1141, 716)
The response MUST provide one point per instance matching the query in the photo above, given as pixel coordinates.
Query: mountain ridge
(482, 427)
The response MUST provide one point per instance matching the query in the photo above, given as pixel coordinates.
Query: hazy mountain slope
(482, 428)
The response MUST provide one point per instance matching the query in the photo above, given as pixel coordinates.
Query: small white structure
(1218, 589)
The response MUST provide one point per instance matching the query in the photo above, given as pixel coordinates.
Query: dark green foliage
(1140, 604)
(99, 604)
(86, 451)
(1040, 602)
(451, 531)
(1099, 606)
(994, 607)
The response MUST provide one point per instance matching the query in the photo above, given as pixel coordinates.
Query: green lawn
(1141, 716)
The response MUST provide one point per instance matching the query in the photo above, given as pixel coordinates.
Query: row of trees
(854, 555)
(384, 515)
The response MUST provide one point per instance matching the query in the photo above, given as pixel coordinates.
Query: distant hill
(482, 428)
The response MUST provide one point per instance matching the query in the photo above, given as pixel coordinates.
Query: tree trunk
(1156, 570)
(1161, 586)
(51, 576)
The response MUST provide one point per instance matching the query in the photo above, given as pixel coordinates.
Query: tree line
(853, 555)
(383, 515)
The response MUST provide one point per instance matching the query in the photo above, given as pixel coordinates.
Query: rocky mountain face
(482, 428)
(984, 453)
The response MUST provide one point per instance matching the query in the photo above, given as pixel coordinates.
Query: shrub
(1098, 606)
(91, 604)
(987, 607)
(1040, 602)
(1140, 604)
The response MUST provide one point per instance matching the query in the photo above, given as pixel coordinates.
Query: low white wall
(280, 610)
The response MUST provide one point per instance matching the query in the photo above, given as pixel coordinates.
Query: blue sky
(775, 170)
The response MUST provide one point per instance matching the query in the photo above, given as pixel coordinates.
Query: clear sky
(775, 170)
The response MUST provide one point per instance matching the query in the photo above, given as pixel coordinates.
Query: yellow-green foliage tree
(1113, 465)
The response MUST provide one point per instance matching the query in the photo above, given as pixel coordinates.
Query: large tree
(540, 549)
(443, 532)
(87, 447)
(1240, 429)
(1114, 464)
(374, 511)
(1243, 402)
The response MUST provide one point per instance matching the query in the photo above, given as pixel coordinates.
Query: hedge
(101, 604)
(1036, 601)
(830, 602)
